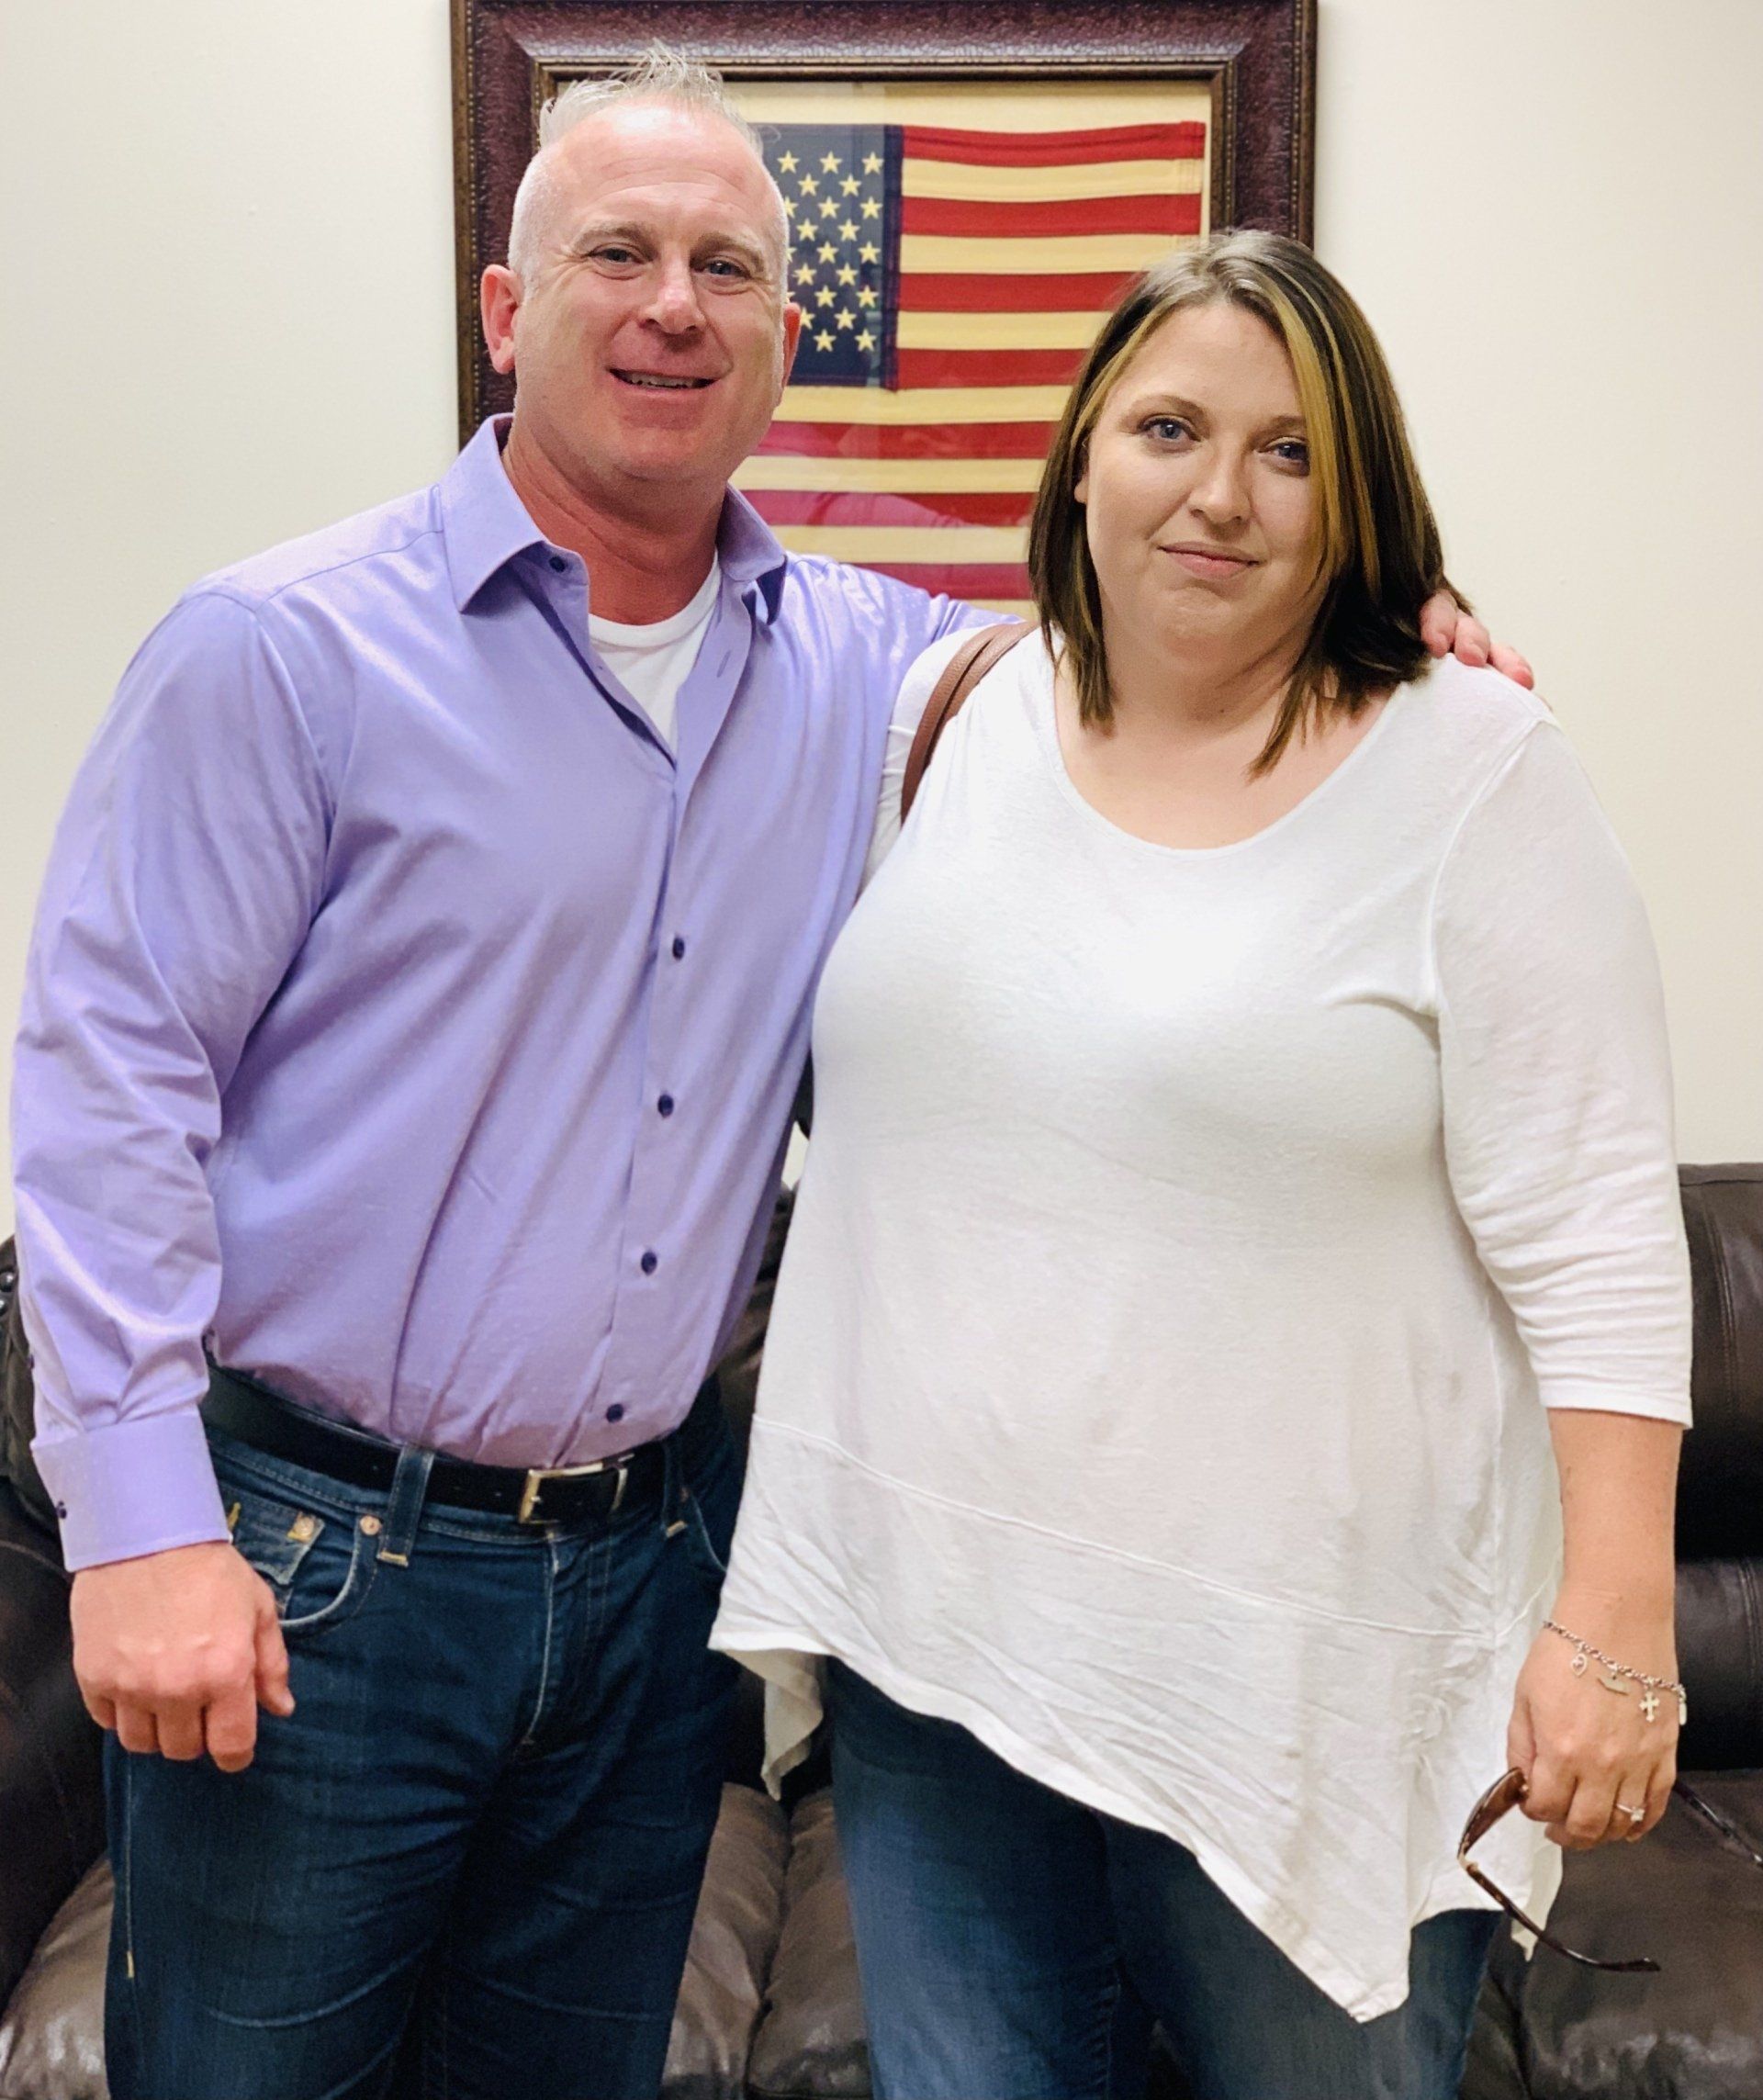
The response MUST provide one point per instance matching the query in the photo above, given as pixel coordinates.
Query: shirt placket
(669, 1121)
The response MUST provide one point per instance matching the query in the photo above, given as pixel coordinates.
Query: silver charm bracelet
(1614, 1672)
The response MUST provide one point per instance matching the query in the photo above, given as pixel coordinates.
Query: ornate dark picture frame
(1256, 59)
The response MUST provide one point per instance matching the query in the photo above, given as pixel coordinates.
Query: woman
(1242, 1099)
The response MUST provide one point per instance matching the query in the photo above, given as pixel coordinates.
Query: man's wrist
(128, 1489)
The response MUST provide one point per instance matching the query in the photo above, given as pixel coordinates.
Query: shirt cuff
(132, 1487)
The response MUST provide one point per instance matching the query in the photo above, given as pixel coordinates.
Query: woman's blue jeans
(1003, 1932)
(486, 1819)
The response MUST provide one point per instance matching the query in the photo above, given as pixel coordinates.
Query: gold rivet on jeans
(371, 1525)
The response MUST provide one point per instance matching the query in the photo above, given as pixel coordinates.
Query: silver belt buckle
(538, 1474)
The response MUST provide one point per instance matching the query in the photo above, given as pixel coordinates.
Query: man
(419, 988)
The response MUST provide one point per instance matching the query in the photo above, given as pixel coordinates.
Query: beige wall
(229, 254)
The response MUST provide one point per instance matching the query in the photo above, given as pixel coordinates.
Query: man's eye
(725, 267)
(615, 254)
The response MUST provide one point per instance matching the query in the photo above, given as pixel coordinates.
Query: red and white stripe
(1013, 246)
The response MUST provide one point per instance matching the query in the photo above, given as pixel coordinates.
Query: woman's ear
(1081, 487)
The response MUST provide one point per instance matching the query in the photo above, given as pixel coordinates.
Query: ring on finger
(1633, 1814)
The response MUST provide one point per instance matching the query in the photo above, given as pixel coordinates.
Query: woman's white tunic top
(1190, 1243)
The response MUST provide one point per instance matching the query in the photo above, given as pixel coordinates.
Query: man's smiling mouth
(657, 380)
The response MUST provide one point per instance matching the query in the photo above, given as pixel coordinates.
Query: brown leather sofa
(770, 2009)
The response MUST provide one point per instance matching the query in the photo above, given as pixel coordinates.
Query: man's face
(652, 338)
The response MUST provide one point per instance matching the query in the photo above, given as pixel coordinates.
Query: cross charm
(1650, 1705)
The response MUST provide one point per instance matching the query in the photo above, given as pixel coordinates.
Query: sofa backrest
(1720, 1503)
(1720, 1489)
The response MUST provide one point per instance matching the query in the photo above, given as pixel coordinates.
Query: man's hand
(177, 1650)
(1448, 629)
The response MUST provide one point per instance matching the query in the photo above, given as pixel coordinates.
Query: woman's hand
(1589, 1754)
(1448, 629)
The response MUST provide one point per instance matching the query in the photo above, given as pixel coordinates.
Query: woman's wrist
(1638, 1627)
(1643, 1598)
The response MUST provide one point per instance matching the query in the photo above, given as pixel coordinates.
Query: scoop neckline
(1042, 705)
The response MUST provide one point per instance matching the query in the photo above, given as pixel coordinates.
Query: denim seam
(545, 1649)
(701, 1528)
(127, 1896)
(349, 1599)
(1111, 2005)
(597, 1581)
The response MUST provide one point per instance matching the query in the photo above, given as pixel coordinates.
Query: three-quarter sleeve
(184, 877)
(1557, 1083)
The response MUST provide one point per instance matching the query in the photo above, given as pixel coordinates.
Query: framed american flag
(969, 187)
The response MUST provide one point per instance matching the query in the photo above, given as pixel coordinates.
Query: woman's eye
(1293, 451)
(1168, 429)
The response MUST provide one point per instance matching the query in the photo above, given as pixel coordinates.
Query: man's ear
(498, 300)
(792, 337)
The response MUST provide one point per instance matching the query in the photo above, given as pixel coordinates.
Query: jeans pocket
(319, 1567)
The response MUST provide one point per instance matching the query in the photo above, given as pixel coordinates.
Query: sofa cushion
(18, 1405)
(1492, 2071)
(1720, 1658)
(51, 2033)
(1692, 2032)
(51, 1805)
(811, 2044)
(734, 1940)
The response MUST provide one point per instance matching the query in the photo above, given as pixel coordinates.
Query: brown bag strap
(975, 655)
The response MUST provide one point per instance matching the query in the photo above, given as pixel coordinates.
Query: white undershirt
(1190, 1246)
(653, 662)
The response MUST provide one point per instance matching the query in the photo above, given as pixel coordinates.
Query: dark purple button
(666, 1105)
(678, 948)
(558, 563)
(614, 1413)
(650, 1262)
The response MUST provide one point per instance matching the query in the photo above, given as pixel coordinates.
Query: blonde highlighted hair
(1377, 545)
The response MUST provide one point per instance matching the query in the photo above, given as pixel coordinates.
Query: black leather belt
(246, 1408)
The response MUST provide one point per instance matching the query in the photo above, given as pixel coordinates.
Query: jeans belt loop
(404, 1505)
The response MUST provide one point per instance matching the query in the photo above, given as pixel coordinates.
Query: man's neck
(643, 564)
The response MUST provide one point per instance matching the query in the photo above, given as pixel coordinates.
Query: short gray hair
(661, 76)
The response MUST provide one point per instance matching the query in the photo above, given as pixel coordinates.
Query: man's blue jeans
(1009, 1940)
(490, 1809)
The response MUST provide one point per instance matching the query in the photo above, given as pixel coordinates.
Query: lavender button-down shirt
(405, 1020)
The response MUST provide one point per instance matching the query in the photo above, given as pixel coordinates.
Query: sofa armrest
(51, 1790)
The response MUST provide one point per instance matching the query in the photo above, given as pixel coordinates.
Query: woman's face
(1200, 506)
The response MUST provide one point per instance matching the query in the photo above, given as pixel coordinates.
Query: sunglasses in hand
(1506, 1794)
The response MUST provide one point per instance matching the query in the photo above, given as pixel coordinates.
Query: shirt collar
(750, 552)
(484, 521)
(486, 525)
